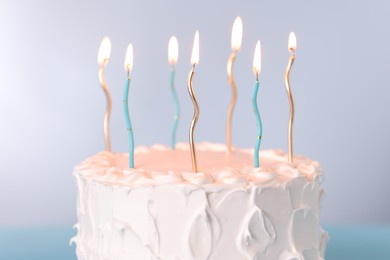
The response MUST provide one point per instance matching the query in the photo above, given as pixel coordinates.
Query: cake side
(231, 211)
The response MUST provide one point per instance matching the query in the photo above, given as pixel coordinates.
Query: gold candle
(236, 46)
(103, 58)
(292, 44)
(194, 62)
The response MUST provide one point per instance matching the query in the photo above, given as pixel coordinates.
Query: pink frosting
(158, 165)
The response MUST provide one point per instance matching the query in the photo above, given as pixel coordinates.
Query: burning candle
(256, 70)
(128, 68)
(194, 62)
(173, 54)
(236, 45)
(103, 58)
(292, 45)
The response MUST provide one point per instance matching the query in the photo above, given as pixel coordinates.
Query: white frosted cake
(228, 211)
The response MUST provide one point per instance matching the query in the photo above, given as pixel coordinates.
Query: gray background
(51, 105)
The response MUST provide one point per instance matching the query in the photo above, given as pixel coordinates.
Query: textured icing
(229, 210)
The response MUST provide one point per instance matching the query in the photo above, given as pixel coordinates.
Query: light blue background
(51, 105)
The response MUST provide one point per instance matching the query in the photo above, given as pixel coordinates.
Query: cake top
(158, 164)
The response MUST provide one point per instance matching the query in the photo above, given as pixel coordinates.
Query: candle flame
(173, 51)
(292, 42)
(257, 59)
(104, 51)
(129, 58)
(195, 50)
(237, 34)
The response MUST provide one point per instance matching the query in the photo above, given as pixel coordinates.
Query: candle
(292, 44)
(194, 62)
(173, 54)
(256, 70)
(128, 68)
(236, 45)
(103, 58)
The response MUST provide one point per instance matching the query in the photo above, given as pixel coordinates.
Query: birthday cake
(229, 210)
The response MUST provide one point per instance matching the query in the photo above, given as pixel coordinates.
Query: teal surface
(36, 244)
(347, 243)
(358, 243)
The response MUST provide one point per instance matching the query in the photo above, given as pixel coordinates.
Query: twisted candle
(107, 114)
(232, 101)
(128, 68)
(256, 70)
(177, 110)
(194, 61)
(128, 122)
(103, 58)
(173, 55)
(194, 119)
(236, 45)
(258, 121)
(291, 103)
(291, 47)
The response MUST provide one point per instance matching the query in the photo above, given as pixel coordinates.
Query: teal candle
(177, 109)
(128, 123)
(128, 67)
(259, 124)
(173, 55)
(256, 70)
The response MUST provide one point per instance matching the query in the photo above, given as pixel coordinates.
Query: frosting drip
(229, 210)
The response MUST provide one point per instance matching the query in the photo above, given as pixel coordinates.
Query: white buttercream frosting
(227, 211)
